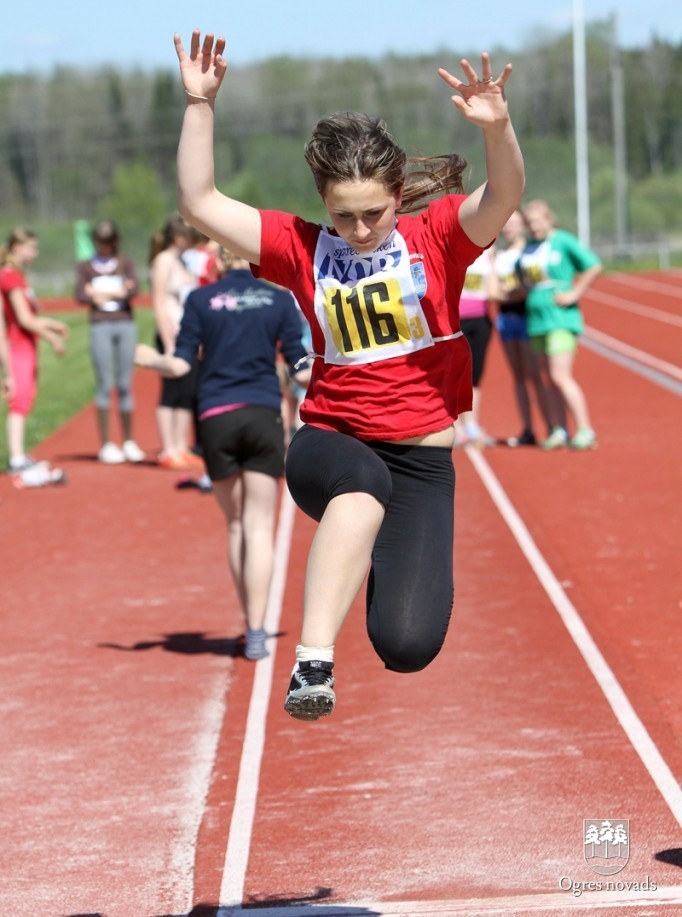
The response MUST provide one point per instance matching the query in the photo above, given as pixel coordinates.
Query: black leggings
(477, 331)
(410, 586)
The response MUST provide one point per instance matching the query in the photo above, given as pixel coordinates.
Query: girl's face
(539, 222)
(182, 240)
(362, 212)
(25, 252)
(514, 227)
(106, 248)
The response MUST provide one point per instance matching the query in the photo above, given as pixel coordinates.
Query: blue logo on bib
(418, 278)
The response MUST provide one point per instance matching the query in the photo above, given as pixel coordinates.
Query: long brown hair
(348, 146)
(163, 238)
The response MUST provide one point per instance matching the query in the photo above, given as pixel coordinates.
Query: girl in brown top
(107, 284)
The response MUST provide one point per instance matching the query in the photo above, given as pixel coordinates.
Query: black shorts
(181, 392)
(246, 439)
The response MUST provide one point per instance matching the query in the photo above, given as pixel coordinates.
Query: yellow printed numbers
(509, 282)
(368, 316)
(533, 273)
(473, 282)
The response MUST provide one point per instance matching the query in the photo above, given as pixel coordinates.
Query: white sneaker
(110, 454)
(557, 439)
(132, 452)
(205, 484)
(584, 439)
(38, 475)
(21, 464)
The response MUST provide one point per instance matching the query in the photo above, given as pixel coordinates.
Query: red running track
(149, 770)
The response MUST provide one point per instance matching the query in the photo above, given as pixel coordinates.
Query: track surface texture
(149, 770)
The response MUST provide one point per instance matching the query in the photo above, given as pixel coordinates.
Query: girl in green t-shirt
(556, 269)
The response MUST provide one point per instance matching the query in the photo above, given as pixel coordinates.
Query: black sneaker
(527, 438)
(310, 694)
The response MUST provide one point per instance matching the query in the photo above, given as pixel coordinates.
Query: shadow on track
(298, 907)
(672, 856)
(286, 907)
(188, 643)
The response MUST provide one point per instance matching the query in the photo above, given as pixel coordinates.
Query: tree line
(83, 144)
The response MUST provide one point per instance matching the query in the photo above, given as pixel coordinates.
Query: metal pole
(581, 142)
(619, 149)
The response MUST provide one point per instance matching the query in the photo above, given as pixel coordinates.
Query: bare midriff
(444, 437)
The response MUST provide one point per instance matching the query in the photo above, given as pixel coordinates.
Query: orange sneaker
(185, 461)
(171, 462)
(192, 460)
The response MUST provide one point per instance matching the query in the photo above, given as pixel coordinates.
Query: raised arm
(483, 102)
(234, 224)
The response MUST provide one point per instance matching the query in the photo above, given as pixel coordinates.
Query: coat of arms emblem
(606, 844)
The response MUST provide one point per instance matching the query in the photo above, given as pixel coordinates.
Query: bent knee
(407, 657)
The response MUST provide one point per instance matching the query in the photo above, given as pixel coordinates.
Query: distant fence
(58, 302)
(664, 253)
(56, 284)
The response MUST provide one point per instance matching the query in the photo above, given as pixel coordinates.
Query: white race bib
(367, 305)
(535, 265)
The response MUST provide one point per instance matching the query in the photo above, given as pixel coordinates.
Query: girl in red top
(391, 370)
(24, 327)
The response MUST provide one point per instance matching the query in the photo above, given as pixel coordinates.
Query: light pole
(580, 104)
(619, 146)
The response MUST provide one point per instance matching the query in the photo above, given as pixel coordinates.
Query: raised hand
(203, 69)
(481, 101)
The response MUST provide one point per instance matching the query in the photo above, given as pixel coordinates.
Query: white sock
(309, 653)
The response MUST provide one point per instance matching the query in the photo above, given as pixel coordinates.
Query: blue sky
(37, 35)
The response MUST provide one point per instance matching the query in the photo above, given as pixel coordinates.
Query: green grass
(65, 384)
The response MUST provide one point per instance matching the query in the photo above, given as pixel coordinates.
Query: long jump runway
(148, 770)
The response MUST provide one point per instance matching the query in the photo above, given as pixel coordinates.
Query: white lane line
(634, 352)
(666, 375)
(241, 826)
(633, 727)
(658, 286)
(196, 787)
(657, 314)
(508, 905)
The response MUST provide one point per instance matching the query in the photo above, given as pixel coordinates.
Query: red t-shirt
(406, 395)
(12, 279)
